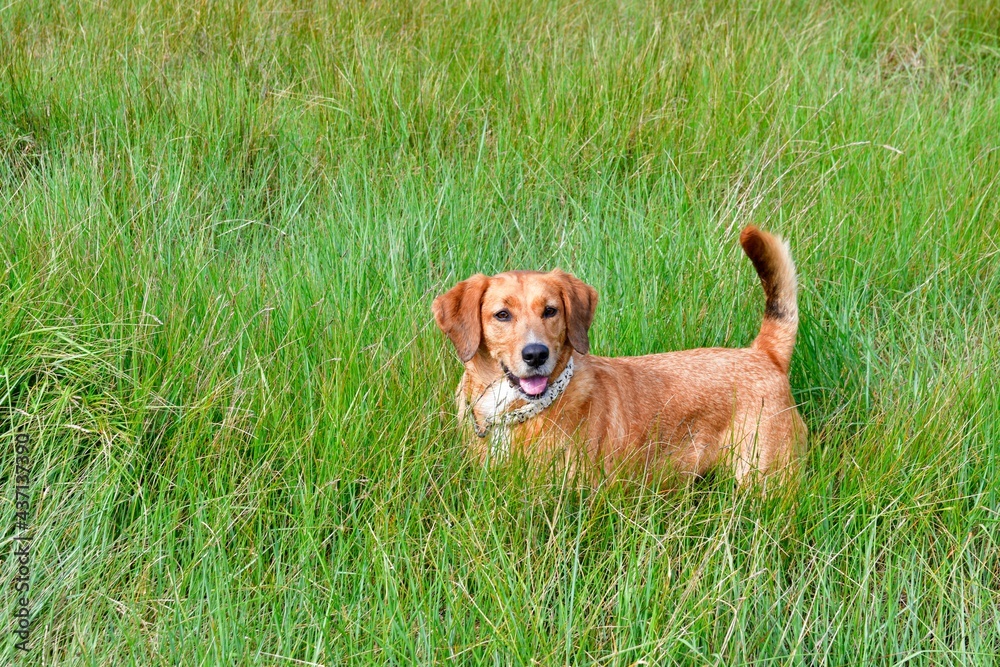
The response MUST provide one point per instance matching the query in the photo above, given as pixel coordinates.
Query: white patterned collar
(503, 395)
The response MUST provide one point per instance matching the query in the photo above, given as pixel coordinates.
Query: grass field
(223, 226)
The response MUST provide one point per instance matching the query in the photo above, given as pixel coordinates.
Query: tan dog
(530, 383)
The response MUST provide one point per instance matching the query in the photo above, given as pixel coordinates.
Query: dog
(530, 382)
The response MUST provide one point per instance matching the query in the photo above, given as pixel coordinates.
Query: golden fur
(680, 412)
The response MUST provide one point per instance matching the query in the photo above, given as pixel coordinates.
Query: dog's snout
(535, 354)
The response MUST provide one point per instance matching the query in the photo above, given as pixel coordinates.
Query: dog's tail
(773, 261)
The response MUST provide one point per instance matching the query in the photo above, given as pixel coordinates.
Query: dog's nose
(535, 354)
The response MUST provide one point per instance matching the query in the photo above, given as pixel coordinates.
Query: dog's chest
(490, 407)
(495, 401)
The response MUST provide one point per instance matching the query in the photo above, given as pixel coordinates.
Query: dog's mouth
(532, 387)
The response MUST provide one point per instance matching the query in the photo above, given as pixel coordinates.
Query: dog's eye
(549, 312)
(502, 315)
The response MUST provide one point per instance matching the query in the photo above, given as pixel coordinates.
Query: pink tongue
(534, 386)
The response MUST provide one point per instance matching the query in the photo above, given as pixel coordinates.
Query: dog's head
(523, 320)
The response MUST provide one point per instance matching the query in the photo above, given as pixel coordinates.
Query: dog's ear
(580, 302)
(457, 313)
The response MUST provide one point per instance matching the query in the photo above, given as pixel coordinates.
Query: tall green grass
(223, 226)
